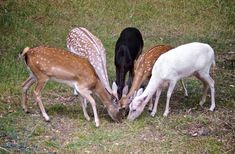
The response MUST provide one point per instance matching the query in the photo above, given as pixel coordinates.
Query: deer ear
(125, 90)
(142, 100)
(132, 96)
(114, 89)
(114, 86)
(139, 92)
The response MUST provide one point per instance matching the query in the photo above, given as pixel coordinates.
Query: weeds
(188, 129)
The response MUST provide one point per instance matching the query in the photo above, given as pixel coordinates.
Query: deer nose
(118, 118)
(122, 112)
(126, 110)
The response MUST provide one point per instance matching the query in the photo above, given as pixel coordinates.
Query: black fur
(128, 48)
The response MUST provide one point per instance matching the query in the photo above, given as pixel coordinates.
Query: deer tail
(26, 49)
(213, 67)
(22, 54)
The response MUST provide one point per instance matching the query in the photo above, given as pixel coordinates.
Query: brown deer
(83, 43)
(62, 66)
(142, 72)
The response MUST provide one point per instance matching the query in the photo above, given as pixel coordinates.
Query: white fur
(183, 61)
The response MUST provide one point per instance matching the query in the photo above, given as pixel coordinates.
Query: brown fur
(143, 68)
(52, 63)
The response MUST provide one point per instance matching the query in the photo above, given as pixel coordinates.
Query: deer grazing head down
(62, 66)
(128, 47)
(185, 60)
(142, 71)
(83, 43)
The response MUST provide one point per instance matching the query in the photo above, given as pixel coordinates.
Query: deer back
(83, 43)
(145, 62)
(59, 64)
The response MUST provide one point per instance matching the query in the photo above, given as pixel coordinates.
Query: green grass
(32, 23)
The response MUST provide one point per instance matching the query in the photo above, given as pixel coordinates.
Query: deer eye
(133, 110)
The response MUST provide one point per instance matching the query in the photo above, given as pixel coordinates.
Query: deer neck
(137, 81)
(105, 97)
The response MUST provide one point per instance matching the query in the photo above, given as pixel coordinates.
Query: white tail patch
(24, 51)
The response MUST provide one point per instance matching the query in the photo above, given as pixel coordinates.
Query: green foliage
(31, 23)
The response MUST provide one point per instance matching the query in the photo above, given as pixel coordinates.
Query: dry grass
(188, 129)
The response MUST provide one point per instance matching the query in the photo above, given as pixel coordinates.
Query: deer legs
(83, 103)
(37, 93)
(40, 84)
(25, 86)
(169, 92)
(87, 95)
(207, 82)
(154, 109)
(185, 90)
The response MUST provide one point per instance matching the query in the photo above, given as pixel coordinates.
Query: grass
(188, 129)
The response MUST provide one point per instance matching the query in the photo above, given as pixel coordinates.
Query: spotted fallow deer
(142, 72)
(83, 43)
(62, 66)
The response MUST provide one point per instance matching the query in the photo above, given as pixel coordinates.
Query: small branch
(229, 151)
(31, 133)
(5, 149)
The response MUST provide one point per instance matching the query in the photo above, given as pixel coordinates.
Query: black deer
(128, 48)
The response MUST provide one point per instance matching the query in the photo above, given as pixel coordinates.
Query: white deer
(183, 61)
(143, 71)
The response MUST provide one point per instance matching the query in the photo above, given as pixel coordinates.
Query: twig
(229, 151)
(5, 149)
(31, 133)
(130, 126)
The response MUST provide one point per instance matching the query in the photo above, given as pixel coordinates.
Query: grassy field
(188, 129)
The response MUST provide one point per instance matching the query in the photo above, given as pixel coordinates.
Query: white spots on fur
(81, 42)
